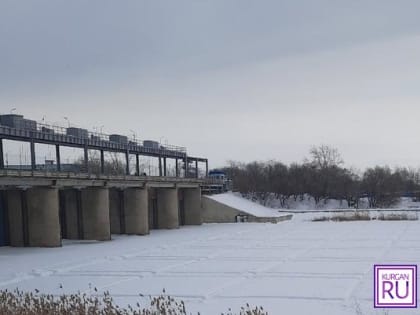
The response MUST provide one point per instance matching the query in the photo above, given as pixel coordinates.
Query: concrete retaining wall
(216, 212)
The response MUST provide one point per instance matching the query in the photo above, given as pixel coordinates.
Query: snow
(307, 203)
(244, 205)
(294, 267)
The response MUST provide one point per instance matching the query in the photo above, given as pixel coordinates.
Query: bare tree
(325, 156)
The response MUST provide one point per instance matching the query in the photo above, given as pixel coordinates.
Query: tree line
(323, 176)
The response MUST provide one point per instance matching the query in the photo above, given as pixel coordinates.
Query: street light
(12, 110)
(134, 134)
(160, 140)
(68, 121)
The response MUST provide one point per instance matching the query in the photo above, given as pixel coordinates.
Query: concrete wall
(167, 202)
(43, 217)
(95, 209)
(192, 206)
(216, 212)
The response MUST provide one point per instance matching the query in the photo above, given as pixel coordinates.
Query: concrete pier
(34, 217)
(136, 211)
(192, 206)
(95, 212)
(167, 204)
(43, 217)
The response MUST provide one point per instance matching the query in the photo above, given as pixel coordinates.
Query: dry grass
(32, 303)
(365, 216)
(343, 217)
(397, 217)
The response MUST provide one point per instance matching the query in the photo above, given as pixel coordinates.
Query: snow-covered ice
(294, 267)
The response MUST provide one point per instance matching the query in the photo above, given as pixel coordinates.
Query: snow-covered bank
(295, 267)
(307, 203)
(245, 205)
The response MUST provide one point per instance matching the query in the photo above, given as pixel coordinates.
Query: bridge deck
(20, 178)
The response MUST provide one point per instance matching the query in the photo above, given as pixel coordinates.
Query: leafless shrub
(33, 303)
(343, 217)
(365, 216)
(397, 217)
(248, 310)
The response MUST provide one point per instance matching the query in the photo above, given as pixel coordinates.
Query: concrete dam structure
(40, 207)
(40, 210)
(42, 204)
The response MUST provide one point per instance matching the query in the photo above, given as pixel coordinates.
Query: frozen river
(296, 267)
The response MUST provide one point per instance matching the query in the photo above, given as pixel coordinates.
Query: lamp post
(134, 135)
(68, 121)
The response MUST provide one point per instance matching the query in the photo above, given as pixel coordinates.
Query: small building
(77, 132)
(17, 121)
(118, 139)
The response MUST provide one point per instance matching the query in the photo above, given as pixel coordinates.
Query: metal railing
(48, 131)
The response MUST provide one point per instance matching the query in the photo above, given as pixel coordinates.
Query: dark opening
(4, 220)
(62, 212)
(155, 213)
(80, 231)
(25, 218)
(181, 210)
(121, 211)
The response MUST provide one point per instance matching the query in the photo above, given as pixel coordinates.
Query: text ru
(388, 287)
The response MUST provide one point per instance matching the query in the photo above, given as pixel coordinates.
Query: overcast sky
(230, 80)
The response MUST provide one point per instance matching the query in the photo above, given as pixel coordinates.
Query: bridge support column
(95, 213)
(1, 154)
(164, 166)
(33, 159)
(167, 204)
(137, 165)
(57, 157)
(127, 162)
(136, 211)
(86, 159)
(196, 168)
(34, 217)
(160, 166)
(192, 206)
(186, 175)
(43, 217)
(102, 162)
